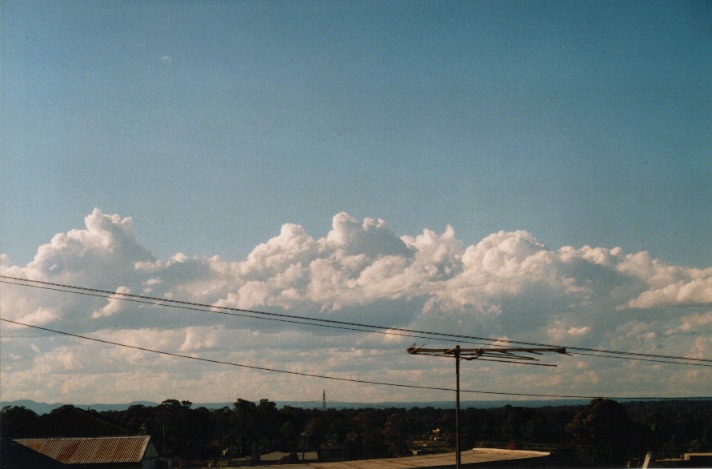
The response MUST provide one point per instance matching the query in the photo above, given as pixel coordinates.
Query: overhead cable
(345, 325)
(316, 375)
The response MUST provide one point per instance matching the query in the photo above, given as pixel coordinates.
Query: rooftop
(432, 461)
(116, 449)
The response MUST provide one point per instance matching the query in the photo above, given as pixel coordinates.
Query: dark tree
(370, 430)
(268, 423)
(13, 418)
(246, 427)
(603, 432)
(395, 432)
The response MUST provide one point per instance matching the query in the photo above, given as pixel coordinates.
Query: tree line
(604, 431)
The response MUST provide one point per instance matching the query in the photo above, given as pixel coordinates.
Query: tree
(268, 423)
(603, 432)
(171, 423)
(394, 431)
(13, 418)
(370, 429)
(246, 427)
(289, 434)
(223, 421)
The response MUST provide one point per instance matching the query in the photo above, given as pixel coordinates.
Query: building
(13, 455)
(72, 437)
(476, 457)
(687, 460)
(115, 452)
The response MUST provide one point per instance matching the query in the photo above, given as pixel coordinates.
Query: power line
(345, 325)
(333, 378)
(335, 324)
(296, 373)
(204, 308)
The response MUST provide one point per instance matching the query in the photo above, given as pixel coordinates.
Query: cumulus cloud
(106, 249)
(113, 305)
(559, 331)
(670, 286)
(509, 284)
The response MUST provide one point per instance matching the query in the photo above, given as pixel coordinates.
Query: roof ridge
(106, 437)
(90, 450)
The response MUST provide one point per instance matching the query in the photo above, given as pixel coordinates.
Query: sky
(539, 171)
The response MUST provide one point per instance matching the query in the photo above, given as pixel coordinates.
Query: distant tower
(323, 400)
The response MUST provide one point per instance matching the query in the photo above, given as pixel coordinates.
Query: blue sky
(212, 124)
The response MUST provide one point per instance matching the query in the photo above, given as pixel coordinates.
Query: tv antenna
(518, 355)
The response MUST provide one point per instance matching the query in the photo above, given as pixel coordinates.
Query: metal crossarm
(517, 355)
(505, 355)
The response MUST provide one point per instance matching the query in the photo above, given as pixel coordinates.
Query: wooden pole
(458, 457)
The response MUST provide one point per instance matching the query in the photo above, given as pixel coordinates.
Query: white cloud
(507, 285)
(694, 323)
(113, 305)
(372, 237)
(677, 287)
(561, 332)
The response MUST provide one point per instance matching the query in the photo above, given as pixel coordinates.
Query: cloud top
(507, 285)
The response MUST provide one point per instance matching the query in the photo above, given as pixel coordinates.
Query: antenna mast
(500, 354)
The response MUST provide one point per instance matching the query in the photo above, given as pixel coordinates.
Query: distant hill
(41, 408)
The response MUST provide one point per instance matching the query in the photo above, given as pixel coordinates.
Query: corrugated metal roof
(13, 455)
(102, 450)
(470, 458)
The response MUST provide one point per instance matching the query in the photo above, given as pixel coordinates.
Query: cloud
(509, 285)
(166, 59)
(693, 323)
(559, 331)
(670, 286)
(107, 248)
(371, 237)
(113, 305)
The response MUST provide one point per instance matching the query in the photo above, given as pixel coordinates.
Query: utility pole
(458, 452)
(323, 400)
(518, 355)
